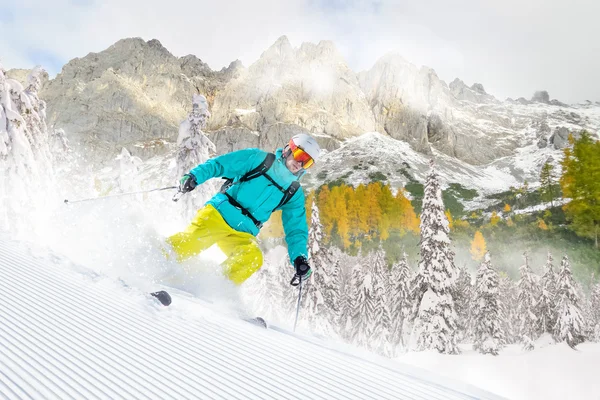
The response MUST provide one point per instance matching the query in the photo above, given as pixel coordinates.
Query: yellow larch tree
(408, 217)
(361, 196)
(478, 247)
(326, 214)
(494, 219)
(375, 214)
(340, 211)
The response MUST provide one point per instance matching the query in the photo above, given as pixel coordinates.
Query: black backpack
(261, 169)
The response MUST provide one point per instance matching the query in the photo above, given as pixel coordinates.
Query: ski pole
(298, 306)
(119, 195)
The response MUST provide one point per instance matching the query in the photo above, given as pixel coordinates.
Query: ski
(258, 321)
(163, 296)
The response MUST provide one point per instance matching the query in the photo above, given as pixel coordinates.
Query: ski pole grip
(177, 195)
(295, 280)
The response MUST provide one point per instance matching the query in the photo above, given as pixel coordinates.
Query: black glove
(303, 270)
(187, 183)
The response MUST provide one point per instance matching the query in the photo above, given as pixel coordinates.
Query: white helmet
(308, 144)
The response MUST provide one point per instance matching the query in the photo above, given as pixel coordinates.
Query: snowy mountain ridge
(134, 94)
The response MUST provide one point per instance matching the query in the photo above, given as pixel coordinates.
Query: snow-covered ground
(67, 332)
(554, 371)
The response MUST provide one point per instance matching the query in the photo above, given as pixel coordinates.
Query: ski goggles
(301, 156)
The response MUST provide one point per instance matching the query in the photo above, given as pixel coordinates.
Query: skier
(257, 184)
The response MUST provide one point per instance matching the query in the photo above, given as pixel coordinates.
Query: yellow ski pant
(208, 227)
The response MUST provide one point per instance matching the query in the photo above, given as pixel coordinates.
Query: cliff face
(135, 93)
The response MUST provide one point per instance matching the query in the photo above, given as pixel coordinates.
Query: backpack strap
(260, 170)
(288, 194)
(243, 210)
(255, 173)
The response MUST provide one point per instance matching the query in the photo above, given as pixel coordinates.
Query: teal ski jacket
(259, 196)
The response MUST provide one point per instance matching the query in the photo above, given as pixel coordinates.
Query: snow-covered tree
(586, 311)
(487, 312)
(322, 306)
(194, 148)
(435, 325)
(33, 111)
(508, 299)
(400, 301)
(364, 308)
(546, 305)
(349, 297)
(462, 295)
(19, 166)
(595, 307)
(569, 324)
(382, 332)
(526, 305)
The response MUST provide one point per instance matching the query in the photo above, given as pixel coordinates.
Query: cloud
(512, 47)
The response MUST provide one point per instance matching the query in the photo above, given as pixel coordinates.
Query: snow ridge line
(71, 338)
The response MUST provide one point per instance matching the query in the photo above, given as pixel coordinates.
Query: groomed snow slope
(69, 333)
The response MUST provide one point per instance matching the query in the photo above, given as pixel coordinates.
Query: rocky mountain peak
(137, 91)
(478, 87)
(281, 49)
(541, 96)
(476, 93)
(325, 51)
(233, 71)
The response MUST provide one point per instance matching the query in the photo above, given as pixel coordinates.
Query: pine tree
(364, 313)
(435, 325)
(580, 182)
(350, 300)
(546, 305)
(382, 332)
(508, 299)
(20, 169)
(194, 149)
(586, 311)
(595, 307)
(487, 311)
(569, 325)
(33, 110)
(323, 292)
(400, 300)
(526, 305)
(547, 183)
(462, 295)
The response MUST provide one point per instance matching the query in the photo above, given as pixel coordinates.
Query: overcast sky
(512, 47)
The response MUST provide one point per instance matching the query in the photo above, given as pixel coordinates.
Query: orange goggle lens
(301, 156)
